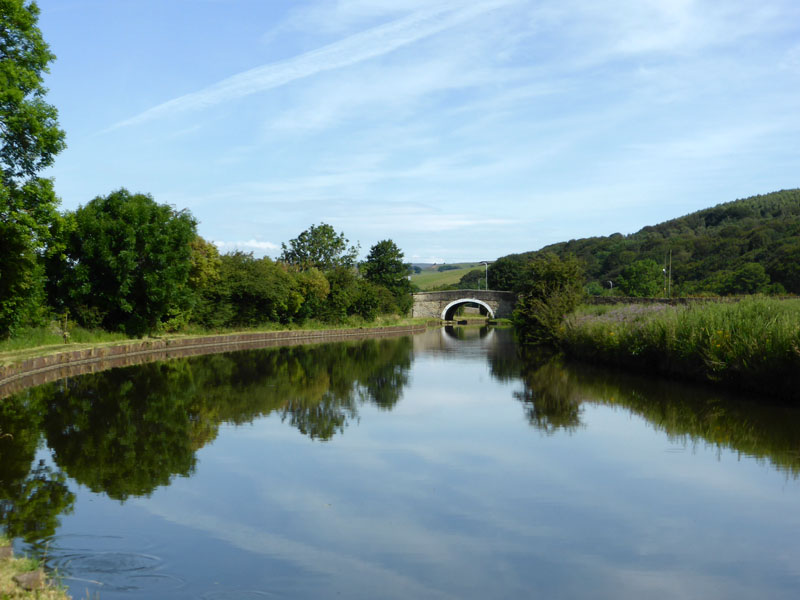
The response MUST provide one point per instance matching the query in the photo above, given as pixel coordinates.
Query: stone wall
(42, 369)
(431, 304)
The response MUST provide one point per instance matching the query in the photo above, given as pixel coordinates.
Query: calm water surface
(438, 466)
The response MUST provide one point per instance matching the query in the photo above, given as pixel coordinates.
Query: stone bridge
(443, 305)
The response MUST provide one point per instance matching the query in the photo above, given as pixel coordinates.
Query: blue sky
(462, 130)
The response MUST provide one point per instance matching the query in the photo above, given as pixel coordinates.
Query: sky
(461, 130)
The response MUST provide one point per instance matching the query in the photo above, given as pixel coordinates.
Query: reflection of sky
(452, 494)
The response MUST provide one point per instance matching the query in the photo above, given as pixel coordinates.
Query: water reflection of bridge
(452, 340)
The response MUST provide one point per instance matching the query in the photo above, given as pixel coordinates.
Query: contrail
(351, 50)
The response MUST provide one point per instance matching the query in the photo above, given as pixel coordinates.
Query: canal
(440, 465)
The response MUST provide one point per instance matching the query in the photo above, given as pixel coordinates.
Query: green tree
(750, 278)
(642, 278)
(257, 290)
(384, 266)
(314, 288)
(203, 281)
(474, 280)
(29, 140)
(506, 273)
(126, 263)
(321, 247)
(550, 288)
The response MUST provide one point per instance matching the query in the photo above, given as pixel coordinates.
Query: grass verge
(753, 344)
(35, 342)
(11, 568)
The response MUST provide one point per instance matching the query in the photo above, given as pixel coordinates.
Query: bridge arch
(436, 305)
(450, 309)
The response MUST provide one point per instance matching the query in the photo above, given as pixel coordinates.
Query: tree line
(742, 247)
(123, 262)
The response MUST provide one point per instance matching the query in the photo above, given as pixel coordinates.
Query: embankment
(58, 365)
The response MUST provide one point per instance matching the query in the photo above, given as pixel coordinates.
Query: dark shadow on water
(554, 392)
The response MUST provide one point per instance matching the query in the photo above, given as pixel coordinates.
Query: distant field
(431, 278)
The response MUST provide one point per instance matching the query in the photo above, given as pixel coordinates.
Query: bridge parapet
(443, 304)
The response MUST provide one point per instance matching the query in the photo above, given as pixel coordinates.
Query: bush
(550, 289)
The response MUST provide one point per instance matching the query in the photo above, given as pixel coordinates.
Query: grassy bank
(18, 573)
(42, 341)
(753, 344)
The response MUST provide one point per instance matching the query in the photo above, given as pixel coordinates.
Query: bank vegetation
(751, 344)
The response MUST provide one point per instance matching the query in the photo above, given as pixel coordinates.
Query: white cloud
(349, 51)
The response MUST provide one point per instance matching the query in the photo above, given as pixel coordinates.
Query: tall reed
(753, 344)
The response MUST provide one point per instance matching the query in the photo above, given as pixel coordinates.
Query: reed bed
(753, 344)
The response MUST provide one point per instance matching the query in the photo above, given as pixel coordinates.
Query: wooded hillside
(745, 246)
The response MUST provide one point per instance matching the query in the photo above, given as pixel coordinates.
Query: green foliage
(444, 268)
(506, 272)
(255, 291)
(549, 289)
(474, 280)
(594, 289)
(314, 288)
(204, 283)
(749, 278)
(708, 248)
(642, 278)
(320, 247)
(126, 263)
(29, 140)
(752, 344)
(384, 267)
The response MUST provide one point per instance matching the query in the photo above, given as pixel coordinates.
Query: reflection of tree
(30, 506)
(554, 390)
(127, 431)
(319, 420)
(383, 383)
(505, 363)
(31, 496)
(702, 414)
(550, 397)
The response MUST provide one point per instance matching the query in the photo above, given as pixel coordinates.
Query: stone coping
(52, 367)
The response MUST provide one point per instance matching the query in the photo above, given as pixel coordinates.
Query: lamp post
(486, 264)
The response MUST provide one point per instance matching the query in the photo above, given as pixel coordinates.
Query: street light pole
(486, 264)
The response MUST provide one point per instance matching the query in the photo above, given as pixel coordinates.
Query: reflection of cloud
(421, 507)
(351, 50)
(349, 572)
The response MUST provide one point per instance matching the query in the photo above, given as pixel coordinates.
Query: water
(439, 466)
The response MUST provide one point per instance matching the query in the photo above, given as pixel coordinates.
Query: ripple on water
(119, 571)
(83, 542)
